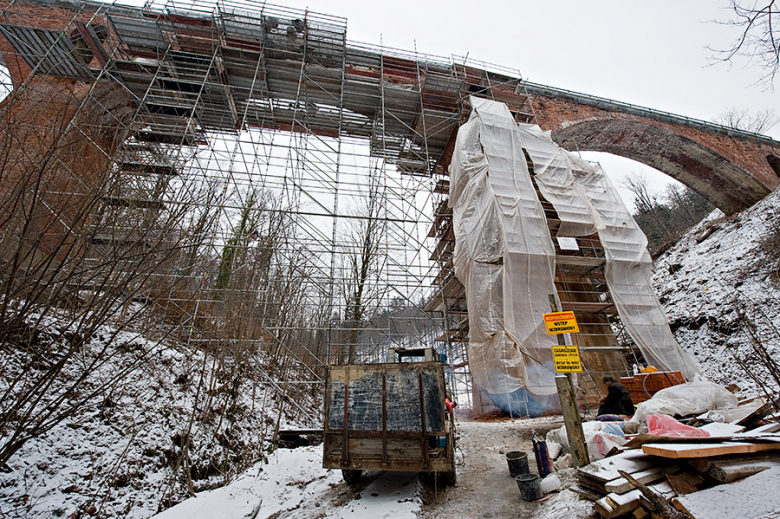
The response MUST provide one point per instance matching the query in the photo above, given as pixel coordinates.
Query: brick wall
(738, 156)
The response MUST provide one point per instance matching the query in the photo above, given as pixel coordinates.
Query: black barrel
(530, 490)
(518, 463)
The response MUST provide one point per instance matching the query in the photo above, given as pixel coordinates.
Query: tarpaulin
(586, 201)
(505, 258)
(504, 255)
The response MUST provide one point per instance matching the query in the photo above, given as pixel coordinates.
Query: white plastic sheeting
(554, 168)
(600, 438)
(504, 255)
(628, 272)
(691, 398)
(586, 200)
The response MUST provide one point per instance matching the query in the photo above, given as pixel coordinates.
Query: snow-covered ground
(716, 272)
(293, 484)
(121, 454)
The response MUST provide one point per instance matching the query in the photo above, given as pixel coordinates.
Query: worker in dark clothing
(617, 401)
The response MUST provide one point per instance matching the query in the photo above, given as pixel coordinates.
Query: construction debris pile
(704, 463)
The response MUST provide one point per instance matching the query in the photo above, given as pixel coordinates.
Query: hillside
(719, 288)
(125, 452)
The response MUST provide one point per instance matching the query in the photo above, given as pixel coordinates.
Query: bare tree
(364, 244)
(644, 201)
(741, 119)
(759, 40)
(76, 253)
(243, 233)
(664, 221)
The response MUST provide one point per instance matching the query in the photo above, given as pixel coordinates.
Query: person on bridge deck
(617, 401)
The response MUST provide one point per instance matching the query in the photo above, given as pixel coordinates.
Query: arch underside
(727, 186)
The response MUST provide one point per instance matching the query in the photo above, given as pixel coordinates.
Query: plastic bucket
(518, 463)
(530, 490)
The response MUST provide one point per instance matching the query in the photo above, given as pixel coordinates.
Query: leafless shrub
(77, 252)
(740, 119)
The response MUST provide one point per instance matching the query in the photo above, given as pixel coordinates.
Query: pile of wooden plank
(730, 474)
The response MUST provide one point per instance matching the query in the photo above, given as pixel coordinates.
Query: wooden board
(754, 436)
(586, 493)
(750, 498)
(641, 439)
(733, 470)
(606, 469)
(614, 505)
(373, 448)
(704, 465)
(621, 485)
(686, 482)
(705, 450)
(663, 488)
(591, 485)
(722, 429)
(756, 415)
(767, 428)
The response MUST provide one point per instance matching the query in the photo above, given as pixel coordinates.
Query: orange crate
(643, 386)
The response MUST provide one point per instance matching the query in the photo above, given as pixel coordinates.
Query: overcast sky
(652, 54)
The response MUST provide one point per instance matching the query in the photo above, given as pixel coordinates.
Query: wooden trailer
(388, 417)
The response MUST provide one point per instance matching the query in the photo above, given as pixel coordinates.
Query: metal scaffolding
(307, 175)
(305, 169)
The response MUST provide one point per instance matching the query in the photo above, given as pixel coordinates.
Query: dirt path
(484, 488)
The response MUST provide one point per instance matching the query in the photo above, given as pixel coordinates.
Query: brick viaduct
(733, 169)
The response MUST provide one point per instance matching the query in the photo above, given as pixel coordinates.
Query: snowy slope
(116, 456)
(714, 274)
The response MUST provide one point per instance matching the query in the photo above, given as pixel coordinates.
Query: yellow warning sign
(567, 359)
(560, 322)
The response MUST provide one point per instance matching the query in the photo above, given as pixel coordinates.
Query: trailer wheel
(438, 479)
(446, 479)
(351, 476)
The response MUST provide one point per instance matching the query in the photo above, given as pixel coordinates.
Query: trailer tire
(446, 479)
(351, 477)
(438, 479)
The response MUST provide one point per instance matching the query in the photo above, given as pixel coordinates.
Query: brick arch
(774, 163)
(728, 186)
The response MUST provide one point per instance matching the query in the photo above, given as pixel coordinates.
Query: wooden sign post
(567, 361)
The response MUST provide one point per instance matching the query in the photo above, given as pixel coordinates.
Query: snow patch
(714, 283)
(293, 484)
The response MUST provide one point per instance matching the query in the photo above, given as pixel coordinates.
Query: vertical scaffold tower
(242, 169)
